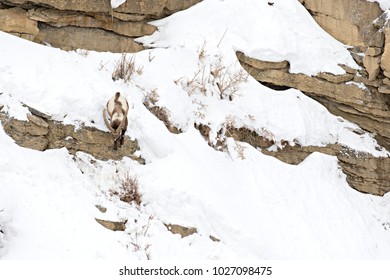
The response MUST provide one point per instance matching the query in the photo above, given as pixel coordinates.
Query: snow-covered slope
(256, 205)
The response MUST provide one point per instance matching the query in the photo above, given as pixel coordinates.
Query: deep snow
(256, 205)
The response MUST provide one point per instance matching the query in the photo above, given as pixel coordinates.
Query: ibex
(117, 107)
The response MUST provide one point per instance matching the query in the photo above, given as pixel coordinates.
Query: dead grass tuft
(125, 69)
(129, 190)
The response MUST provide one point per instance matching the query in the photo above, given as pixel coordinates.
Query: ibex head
(117, 107)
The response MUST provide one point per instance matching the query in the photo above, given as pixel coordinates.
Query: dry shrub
(263, 140)
(125, 69)
(215, 77)
(139, 236)
(227, 82)
(129, 190)
(202, 51)
(151, 96)
(240, 150)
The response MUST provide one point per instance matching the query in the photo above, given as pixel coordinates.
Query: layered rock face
(361, 96)
(85, 24)
(349, 21)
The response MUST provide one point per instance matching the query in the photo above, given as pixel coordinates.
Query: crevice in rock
(275, 87)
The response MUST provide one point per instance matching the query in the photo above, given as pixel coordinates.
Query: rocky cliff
(360, 95)
(85, 24)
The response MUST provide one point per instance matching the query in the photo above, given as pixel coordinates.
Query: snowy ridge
(284, 31)
(259, 207)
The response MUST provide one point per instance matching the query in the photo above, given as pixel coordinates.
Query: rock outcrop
(360, 95)
(349, 21)
(112, 225)
(352, 96)
(85, 24)
(364, 172)
(41, 133)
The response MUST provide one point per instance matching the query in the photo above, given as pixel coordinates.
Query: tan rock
(59, 19)
(384, 89)
(15, 20)
(71, 38)
(386, 73)
(37, 121)
(347, 94)
(385, 60)
(112, 225)
(377, 40)
(364, 172)
(366, 81)
(177, 5)
(341, 29)
(182, 230)
(349, 21)
(371, 64)
(141, 7)
(126, 17)
(386, 81)
(57, 135)
(351, 100)
(348, 69)
(102, 209)
(373, 51)
(337, 79)
(358, 57)
(102, 28)
(258, 64)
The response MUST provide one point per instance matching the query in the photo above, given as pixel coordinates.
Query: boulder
(377, 40)
(371, 63)
(373, 51)
(182, 230)
(112, 225)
